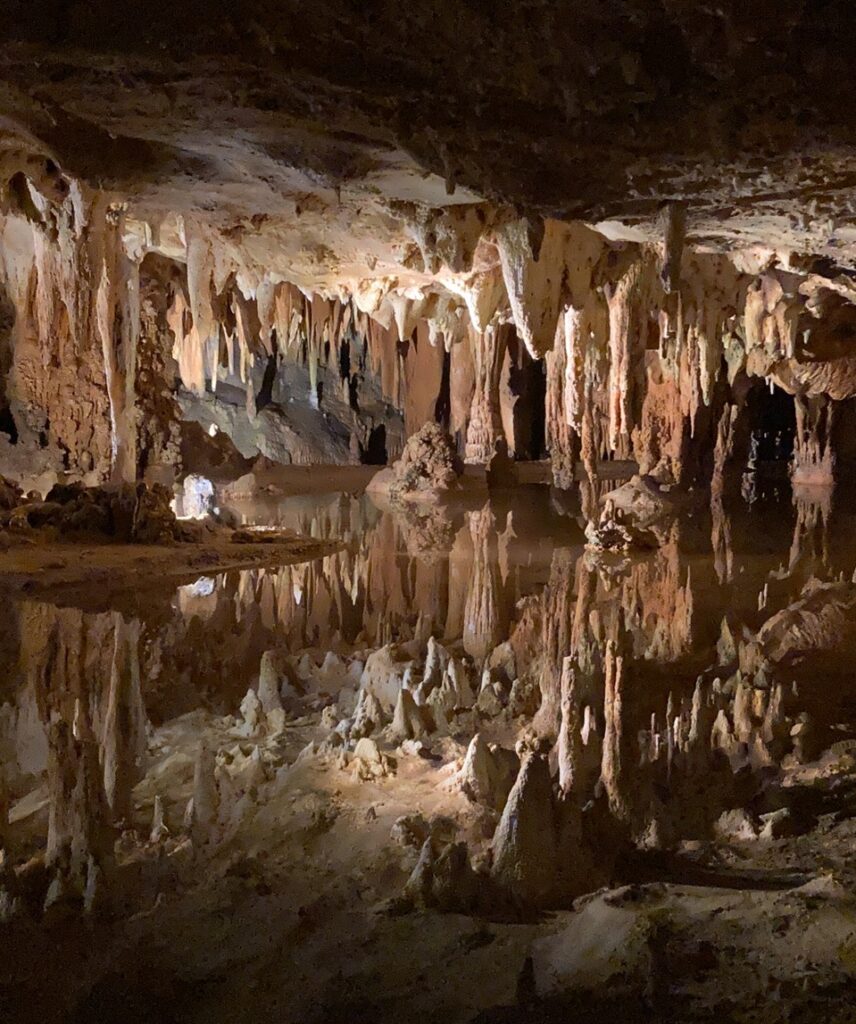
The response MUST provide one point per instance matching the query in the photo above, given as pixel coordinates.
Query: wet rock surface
(130, 514)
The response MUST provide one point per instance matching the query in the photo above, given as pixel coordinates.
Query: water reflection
(667, 682)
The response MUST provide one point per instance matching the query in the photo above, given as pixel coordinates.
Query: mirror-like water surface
(157, 756)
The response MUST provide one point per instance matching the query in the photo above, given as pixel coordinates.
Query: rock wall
(70, 382)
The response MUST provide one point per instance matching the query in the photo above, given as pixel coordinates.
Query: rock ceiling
(306, 132)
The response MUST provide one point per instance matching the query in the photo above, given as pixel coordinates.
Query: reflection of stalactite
(720, 538)
(62, 651)
(78, 822)
(396, 568)
(123, 740)
(614, 770)
(570, 751)
(460, 565)
(814, 458)
(657, 599)
(485, 615)
(558, 640)
(809, 553)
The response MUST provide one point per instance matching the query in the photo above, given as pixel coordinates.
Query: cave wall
(69, 384)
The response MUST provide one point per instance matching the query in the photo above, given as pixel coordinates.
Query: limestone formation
(442, 878)
(427, 471)
(383, 675)
(427, 444)
(130, 513)
(204, 807)
(488, 773)
(408, 722)
(369, 762)
(524, 846)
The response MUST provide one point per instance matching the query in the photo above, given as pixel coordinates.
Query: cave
(375, 453)
(427, 457)
(773, 424)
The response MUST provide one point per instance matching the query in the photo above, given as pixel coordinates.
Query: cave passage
(772, 424)
(427, 537)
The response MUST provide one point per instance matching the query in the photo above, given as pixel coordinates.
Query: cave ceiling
(313, 138)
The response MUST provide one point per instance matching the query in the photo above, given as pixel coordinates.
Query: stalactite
(628, 314)
(422, 378)
(485, 426)
(117, 319)
(593, 307)
(770, 321)
(205, 330)
(158, 412)
(77, 312)
(724, 449)
(562, 431)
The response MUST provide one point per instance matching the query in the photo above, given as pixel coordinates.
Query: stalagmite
(369, 716)
(159, 829)
(205, 801)
(488, 773)
(407, 722)
(442, 878)
(436, 663)
(269, 692)
(524, 845)
(743, 724)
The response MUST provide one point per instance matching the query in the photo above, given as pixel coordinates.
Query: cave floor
(729, 897)
(92, 573)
